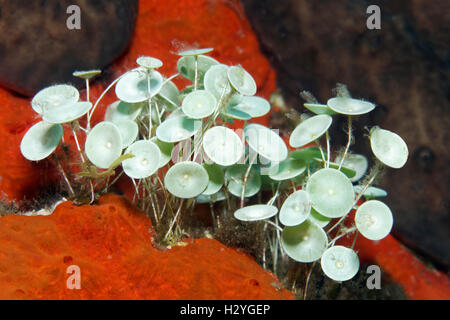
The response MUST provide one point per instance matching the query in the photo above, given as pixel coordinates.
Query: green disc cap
(195, 52)
(309, 130)
(371, 192)
(306, 154)
(331, 192)
(54, 96)
(223, 146)
(177, 128)
(186, 179)
(103, 144)
(318, 219)
(255, 212)
(216, 80)
(216, 178)
(340, 263)
(234, 178)
(199, 104)
(149, 62)
(170, 95)
(120, 110)
(186, 66)
(133, 86)
(128, 130)
(374, 220)
(295, 209)
(203, 198)
(41, 140)
(349, 106)
(288, 169)
(241, 80)
(388, 147)
(165, 149)
(67, 112)
(88, 74)
(265, 142)
(356, 162)
(305, 242)
(318, 108)
(145, 160)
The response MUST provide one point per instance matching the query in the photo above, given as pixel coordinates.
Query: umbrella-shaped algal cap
(318, 108)
(340, 263)
(199, 104)
(216, 178)
(295, 209)
(149, 62)
(241, 80)
(41, 140)
(128, 130)
(318, 219)
(186, 179)
(288, 169)
(388, 147)
(255, 212)
(145, 160)
(177, 128)
(120, 110)
(86, 74)
(253, 106)
(234, 177)
(331, 192)
(371, 192)
(356, 162)
(186, 66)
(67, 112)
(305, 242)
(350, 106)
(54, 96)
(166, 150)
(195, 52)
(223, 146)
(103, 144)
(265, 142)
(216, 80)
(309, 130)
(374, 220)
(170, 95)
(133, 86)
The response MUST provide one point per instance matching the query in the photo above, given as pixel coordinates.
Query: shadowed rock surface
(403, 68)
(37, 49)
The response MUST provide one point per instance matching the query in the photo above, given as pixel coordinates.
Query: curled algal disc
(340, 263)
(223, 146)
(255, 212)
(374, 220)
(41, 140)
(295, 209)
(309, 130)
(133, 86)
(331, 192)
(349, 106)
(103, 144)
(54, 96)
(388, 147)
(145, 160)
(265, 142)
(305, 242)
(67, 112)
(186, 179)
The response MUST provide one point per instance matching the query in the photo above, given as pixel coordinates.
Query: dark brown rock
(404, 68)
(37, 49)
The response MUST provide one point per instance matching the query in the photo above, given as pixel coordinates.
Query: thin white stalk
(349, 133)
